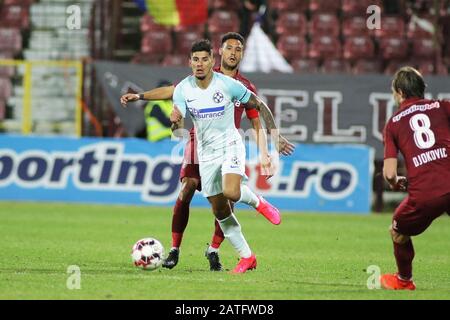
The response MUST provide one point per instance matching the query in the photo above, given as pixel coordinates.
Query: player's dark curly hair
(202, 45)
(410, 82)
(232, 35)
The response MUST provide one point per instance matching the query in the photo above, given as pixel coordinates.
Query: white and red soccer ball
(148, 253)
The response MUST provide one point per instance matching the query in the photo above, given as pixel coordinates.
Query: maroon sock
(179, 221)
(404, 255)
(218, 236)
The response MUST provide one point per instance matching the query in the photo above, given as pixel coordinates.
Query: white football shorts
(211, 171)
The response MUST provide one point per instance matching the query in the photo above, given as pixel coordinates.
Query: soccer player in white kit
(209, 98)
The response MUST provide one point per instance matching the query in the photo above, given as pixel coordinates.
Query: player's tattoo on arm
(264, 111)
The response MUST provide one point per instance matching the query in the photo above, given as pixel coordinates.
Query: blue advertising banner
(328, 178)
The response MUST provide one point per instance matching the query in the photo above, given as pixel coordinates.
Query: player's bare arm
(283, 145)
(161, 93)
(397, 183)
(261, 141)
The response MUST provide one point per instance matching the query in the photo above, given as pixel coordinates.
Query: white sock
(174, 248)
(232, 231)
(248, 197)
(211, 249)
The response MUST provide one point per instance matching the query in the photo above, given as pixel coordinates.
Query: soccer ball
(148, 253)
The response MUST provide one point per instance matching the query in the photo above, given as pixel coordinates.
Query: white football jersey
(212, 112)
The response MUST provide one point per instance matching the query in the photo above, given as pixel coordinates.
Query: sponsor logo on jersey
(207, 113)
(415, 108)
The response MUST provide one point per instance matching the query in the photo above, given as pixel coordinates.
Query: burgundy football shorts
(413, 217)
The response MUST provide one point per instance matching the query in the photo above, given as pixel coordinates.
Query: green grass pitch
(309, 256)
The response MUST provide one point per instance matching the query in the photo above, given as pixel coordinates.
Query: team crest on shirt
(218, 97)
(235, 161)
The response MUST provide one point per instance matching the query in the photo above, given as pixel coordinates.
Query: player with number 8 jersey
(420, 130)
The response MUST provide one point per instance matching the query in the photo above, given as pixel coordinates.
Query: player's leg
(233, 232)
(180, 219)
(235, 191)
(212, 252)
(190, 181)
(410, 219)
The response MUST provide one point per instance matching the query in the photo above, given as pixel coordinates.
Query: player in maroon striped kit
(420, 130)
(231, 52)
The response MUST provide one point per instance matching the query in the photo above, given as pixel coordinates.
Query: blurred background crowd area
(314, 36)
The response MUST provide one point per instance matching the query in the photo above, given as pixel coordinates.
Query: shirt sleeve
(179, 101)
(237, 90)
(390, 146)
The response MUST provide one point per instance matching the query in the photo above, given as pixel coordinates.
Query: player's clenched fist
(129, 97)
(401, 184)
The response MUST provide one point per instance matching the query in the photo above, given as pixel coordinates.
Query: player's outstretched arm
(161, 93)
(261, 142)
(283, 145)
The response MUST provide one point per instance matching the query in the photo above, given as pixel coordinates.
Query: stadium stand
(307, 33)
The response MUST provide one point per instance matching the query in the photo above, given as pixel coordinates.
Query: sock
(175, 248)
(218, 236)
(211, 249)
(404, 255)
(232, 231)
(180, 220)
(248, 197)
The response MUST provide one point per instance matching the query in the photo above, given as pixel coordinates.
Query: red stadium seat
(18, 2)
(426, 67)
(355, 26)
(6, 71)
(423, 48)
(324, 6)
(358, 8)
(367, 66)
(416, 31)
(146, 58)
(289, 5)
(2, 109)
(325, 47)
(156, 43)
(394, 48)
(5, 88)
(324, 24)
(198, 28)
(391, 26)
(224, 4)
(176, 60)
(335, 66)
(148, 24)
(305, 65)
(358, 48)
(216, 41)
(11, 40)
(291, 23)
(184, 41)
(221, 21)
(15, 16)
(394, 65)
(292, 46)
